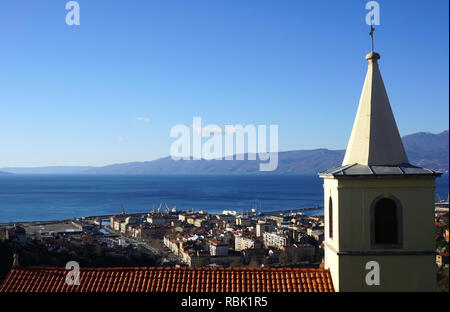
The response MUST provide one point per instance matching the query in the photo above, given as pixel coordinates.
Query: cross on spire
(372, 29)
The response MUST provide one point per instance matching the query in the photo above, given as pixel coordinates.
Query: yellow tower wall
(411, 267)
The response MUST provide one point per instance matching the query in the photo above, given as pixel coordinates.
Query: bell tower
(379, 209)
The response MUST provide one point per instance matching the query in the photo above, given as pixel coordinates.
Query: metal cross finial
(372, 29)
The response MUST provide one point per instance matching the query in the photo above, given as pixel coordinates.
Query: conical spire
(375, 139)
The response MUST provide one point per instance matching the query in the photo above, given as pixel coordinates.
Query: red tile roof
(41, 279)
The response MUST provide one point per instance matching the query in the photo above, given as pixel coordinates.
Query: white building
(172, 244)
(262, 227)
(243, 242)
(218, 248)
(274, 239)
(158, 220)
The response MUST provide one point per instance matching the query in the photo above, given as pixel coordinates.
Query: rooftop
(401, 170)
(151, 279)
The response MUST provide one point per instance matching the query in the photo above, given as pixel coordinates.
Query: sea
(60, 197)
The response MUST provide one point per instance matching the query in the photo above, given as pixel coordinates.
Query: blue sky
(72, 95)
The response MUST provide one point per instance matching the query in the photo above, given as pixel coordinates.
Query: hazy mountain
(424, 149)
(307, 161)
(48, 170)
(2, 172)
(428, 150)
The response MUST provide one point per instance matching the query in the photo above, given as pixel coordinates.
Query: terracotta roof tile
(150, 279)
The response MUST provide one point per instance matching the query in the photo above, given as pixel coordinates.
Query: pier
(285, 211)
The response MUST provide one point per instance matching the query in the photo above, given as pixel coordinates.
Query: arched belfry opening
(386, 223)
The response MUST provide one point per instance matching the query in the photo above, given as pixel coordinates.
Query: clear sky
(109, 90)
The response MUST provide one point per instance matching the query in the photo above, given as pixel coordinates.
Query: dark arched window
(330, 218)
(386, 224)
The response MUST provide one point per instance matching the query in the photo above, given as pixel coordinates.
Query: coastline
(95, 217)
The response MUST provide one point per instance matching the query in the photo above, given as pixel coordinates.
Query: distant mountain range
(305, 161)
(424, 149)
(428, 150)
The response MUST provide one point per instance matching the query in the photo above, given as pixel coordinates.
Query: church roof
(152, 279)
(375, 140)
(355, 170)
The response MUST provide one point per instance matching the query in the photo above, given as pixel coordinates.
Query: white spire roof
(375, 139)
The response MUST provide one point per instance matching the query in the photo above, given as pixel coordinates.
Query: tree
(443, 281)
(296, 257)
(284, 258)
(254, 262)
(237, 263)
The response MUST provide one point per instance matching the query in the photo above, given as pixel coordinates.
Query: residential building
(200, 222)
(243, 222)
(197, 259)
(442, 259)
(158, 220)
(14, 233)
(317, 234)
(218, 248)
(262, 227)
(172, 244)
(115, 222)
(275, 239)
(243, 242)
(303, 251)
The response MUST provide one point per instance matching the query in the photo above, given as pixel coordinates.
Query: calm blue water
(54, 197)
